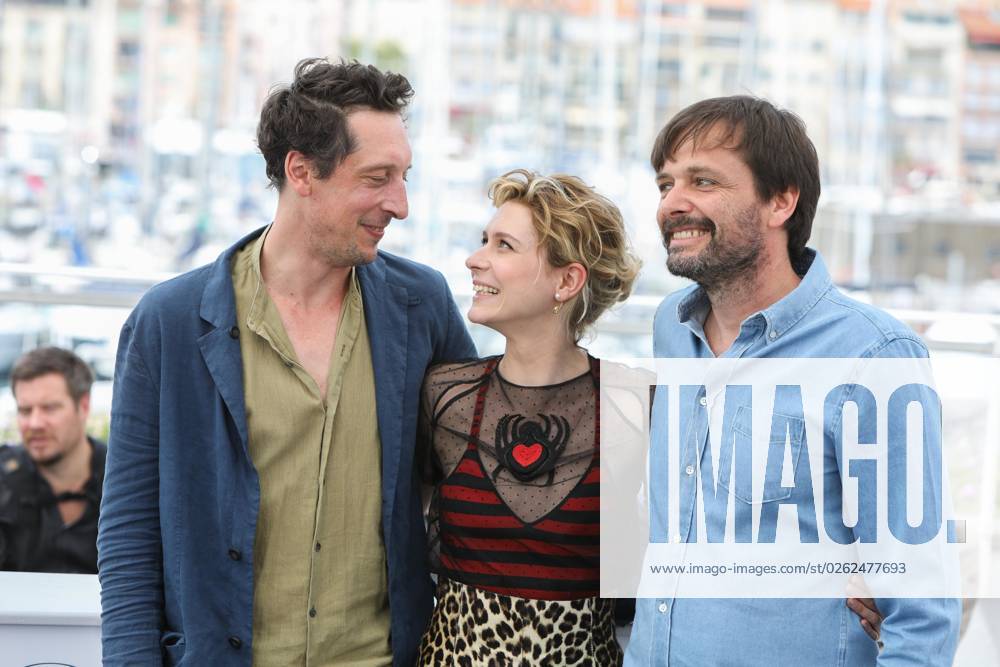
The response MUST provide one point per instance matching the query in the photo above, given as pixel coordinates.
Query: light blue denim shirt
(814, 320)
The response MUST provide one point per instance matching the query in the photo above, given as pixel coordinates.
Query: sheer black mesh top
(515, 470)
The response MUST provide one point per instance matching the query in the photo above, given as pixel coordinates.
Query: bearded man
(739, 185)
(50, 485)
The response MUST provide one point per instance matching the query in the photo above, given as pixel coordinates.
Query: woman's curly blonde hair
(575, 224)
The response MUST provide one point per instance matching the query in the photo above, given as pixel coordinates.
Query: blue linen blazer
(181, 494)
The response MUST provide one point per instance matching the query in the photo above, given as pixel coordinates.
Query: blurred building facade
(131, 122)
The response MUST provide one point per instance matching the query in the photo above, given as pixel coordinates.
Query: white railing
(976, 333)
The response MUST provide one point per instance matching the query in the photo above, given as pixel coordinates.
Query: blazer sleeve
(455, 344)
(128, 540)
(425, 440)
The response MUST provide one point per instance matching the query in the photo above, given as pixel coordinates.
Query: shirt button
(703, 401)
(318, 546)
(312, 613)
(235, 642)
(234, 554)
(677, 538)
(689, 470)
(663, 607)
(288, 363)
(234, 332)
(772, 335)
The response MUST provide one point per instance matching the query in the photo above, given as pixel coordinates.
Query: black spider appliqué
(529, 449)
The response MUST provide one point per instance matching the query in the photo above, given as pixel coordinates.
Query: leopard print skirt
(472, 627)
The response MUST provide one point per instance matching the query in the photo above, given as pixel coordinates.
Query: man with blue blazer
(260, 504)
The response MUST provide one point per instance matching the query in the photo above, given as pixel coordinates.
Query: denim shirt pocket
(743, 425)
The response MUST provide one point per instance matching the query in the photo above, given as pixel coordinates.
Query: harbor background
(127, 147)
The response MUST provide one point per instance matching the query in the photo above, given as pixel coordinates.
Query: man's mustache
(686, 223)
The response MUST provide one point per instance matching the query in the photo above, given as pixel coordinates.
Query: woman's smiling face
(513, 283)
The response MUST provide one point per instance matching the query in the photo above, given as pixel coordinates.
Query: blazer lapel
(219, 348)
(225, 364)
(386, 320)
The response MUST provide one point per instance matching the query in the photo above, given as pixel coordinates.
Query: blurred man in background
(50, 485)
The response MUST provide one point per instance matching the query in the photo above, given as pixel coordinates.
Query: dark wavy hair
(771, 141)
(310, 115)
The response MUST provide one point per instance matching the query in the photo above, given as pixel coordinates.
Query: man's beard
(51, 459)
(720, 262)
(341, 251)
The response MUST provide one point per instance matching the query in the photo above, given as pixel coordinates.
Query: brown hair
(772, 142)
(44, 360)
(310, 115)
(575, 223)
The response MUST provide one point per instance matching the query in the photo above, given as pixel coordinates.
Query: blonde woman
(513, 441)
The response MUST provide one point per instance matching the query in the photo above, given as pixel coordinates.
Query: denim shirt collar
(780, 316)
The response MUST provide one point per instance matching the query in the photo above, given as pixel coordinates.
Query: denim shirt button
(689, 470)
(663, 607)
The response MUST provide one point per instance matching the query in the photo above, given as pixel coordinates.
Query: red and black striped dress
(528, 551)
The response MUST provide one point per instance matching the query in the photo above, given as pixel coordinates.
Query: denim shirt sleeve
(917, 631)
(128, 540)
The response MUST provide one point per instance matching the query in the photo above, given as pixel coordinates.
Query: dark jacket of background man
(33, 537)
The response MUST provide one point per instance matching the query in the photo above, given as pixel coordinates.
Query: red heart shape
(525, 455)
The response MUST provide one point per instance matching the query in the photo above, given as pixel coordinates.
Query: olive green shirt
(320, 582)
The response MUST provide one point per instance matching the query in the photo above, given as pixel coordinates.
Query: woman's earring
(558, 306)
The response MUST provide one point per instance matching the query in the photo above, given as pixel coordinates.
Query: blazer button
(235, 642)
(234, 332)
(234, 554)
